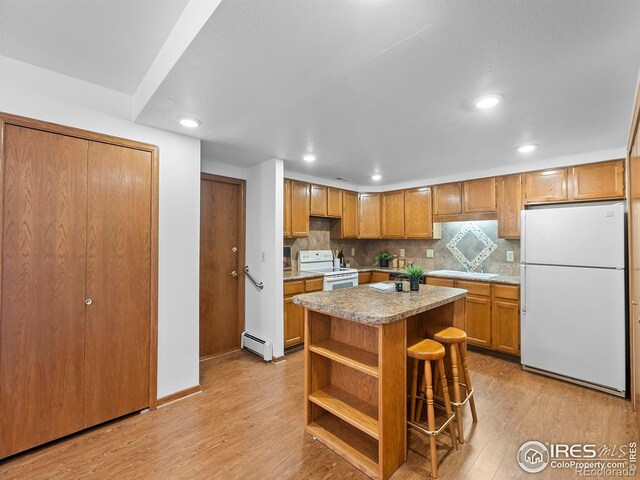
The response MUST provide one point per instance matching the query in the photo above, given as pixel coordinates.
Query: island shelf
(356, 368)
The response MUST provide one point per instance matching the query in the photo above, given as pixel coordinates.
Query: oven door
(332, 283)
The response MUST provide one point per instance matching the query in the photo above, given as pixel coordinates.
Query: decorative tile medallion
(471, 229)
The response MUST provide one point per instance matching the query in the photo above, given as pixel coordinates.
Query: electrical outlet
(353, 252)
(429, 253)
(510, 256)
(402, 252)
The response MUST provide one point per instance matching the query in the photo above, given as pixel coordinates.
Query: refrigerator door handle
(523, 289)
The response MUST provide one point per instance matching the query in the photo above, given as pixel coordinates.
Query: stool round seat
(450, 335)
(426, 350)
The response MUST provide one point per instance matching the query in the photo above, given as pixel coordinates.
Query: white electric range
(321, 261)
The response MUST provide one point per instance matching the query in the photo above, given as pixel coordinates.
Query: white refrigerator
(573, 302)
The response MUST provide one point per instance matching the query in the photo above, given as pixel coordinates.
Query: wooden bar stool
(429, 351)
(456, 339)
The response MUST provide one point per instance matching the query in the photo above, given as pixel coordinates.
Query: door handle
(88, 301)
(233, 274)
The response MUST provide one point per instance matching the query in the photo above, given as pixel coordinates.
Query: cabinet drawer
(291, 288)
(506, 291)
(475, 288)
(314, 285)
(441, 282)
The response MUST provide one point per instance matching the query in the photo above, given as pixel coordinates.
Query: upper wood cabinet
(393, 214)
(598, 180)
(418, 218)
(479, 196)
(318, 201)
(334, 202)
(287, 208)
(299, 209)
(369, 215)
(546, 186)
(447, 199)
(509, 206)
(347, 226)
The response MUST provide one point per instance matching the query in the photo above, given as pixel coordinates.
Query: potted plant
(414, 273)
(383, 257)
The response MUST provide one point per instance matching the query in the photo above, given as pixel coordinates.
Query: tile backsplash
(474, 242)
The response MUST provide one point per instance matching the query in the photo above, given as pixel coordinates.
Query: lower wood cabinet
(379, 277)
(294, 314)
(364, 278)
(493, 313)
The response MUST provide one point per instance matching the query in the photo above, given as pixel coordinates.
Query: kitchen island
(356, 368)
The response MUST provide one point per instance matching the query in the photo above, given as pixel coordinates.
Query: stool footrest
(432, 433)
(464, 402)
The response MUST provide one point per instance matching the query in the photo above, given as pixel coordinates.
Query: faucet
(467, 266)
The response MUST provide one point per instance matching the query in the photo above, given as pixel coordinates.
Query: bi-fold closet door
(76, 291)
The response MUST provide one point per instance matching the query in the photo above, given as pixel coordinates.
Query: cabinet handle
(234, 274)
(88, 301)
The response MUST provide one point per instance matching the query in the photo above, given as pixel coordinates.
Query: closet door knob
(88, 301)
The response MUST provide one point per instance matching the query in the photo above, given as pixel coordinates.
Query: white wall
(29, 94)
(264, 309)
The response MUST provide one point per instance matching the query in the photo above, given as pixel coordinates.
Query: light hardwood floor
(248, 424)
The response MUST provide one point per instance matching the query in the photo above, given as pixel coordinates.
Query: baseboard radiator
(256, 345)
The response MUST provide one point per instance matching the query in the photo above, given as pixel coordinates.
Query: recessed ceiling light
(527, 148)
(376, 177)
(309, 158)
(189, 122)
(488, 101)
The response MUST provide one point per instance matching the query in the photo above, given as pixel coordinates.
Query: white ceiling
(366, 85)
(110, 43)
(389, 84)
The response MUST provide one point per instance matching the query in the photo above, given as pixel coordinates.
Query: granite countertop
(367, 305)
(298, 275)
(506, 279)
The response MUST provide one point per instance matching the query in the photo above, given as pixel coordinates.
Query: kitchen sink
(459, 274)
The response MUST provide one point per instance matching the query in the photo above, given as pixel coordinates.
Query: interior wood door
(634, 260)
(118, 285)
(221, 264)
(43, 282)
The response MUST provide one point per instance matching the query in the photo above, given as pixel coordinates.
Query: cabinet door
(509, 206)
(546, 186)
(480, 196)
(598, 180)
(349, 222)
(287, 208)
(117, 334)
(318, 201)
(369, 215)
(334, 202)
(478, 321)
(379, 277)
(441, 282)
(43, 286)
(447, 199)
(418, 220)
(393, 214)
(364, 277)
(506, 326)
(299, 209)
(293, 323)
